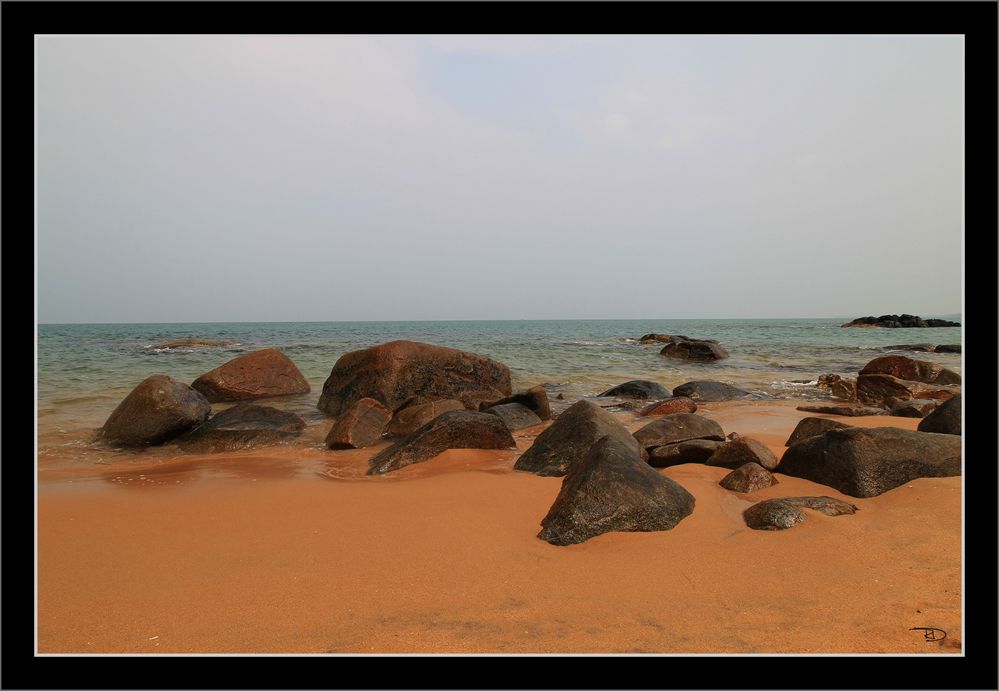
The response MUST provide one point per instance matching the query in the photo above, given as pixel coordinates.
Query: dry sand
(295, 551)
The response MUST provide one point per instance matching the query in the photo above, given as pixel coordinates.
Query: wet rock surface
(260, 374)
(946, 419)
(159, 409)
(244, 426)
(360, 425)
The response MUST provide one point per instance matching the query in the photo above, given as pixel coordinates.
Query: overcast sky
(369, 178)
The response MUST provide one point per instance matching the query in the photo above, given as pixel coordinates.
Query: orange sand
(441, 557)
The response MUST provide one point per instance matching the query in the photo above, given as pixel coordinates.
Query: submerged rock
(676, 404)
(783, 513)
(535, 398)
(401, 372)
(695, 349)
(737, 452)
(654, 338)
(455, 429)
(259, 374)
(411, 418)
(243, 426)
(678, 427)
(946, 419)
(611, 489)
(638, 388)
(514, 415)
(811, 427)
(360, 425)
(157, 410)
(710, 391)
(749, 477)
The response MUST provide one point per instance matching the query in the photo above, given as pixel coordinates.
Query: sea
(85, 370)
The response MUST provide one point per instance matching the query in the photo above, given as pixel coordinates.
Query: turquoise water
(84, 370)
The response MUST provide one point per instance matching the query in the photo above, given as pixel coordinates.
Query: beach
(293, 549)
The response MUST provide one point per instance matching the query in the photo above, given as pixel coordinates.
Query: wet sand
(291, 550)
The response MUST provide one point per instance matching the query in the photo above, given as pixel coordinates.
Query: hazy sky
(485, 177)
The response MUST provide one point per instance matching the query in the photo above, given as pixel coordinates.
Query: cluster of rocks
(895, 321)
(927, 347)
(685, 348)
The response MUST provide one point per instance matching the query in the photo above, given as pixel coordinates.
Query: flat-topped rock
(694, 349)
(946, 419)
(896, 321)
(690, 451)
(740, 451)
(845, 410)
(809, 427)
(786, 512)
(244, 426)
(159, 409)
(749, 477)
(361, 425)
(912, 370)
(676, 404)
(711, 391)
(638, 388)
(260, 374)
(514, 415)
(676, 428)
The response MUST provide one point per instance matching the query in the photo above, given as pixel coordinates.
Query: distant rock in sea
(638, 388)
(895, 321)
(190, 343)
(694, 349)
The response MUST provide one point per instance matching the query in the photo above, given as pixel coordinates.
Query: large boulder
(917, 407)
(698, 350)
(809, 427)
(948, 348)
(157, 410)
(676, 404)
(413, 417)
(913, 370)
(748, 477)
(400, 373)
(946, 419)
(455, 429)
(887, 391)
(259, 374)
(535, 398)
(243, 426)
(690, 451)
(611, 489)
(360, 425)
(710, 391)
(678, 427)
(868, 462)
(514, 415)
(783, 513)
(737, 452)
(570, 437)
(638, 388)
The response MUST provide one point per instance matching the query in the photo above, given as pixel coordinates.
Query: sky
(342, 178)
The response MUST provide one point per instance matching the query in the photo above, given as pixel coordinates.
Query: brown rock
(409, 419)
(694, 349)
(749, 477)
(676, 428)
(243, 426)
(361, 425)
(783, 513)
(846, 410)
(735, 453)
(690, 451)
(946, 419)
(157, 410)
(677, 404)
(259, 374)
(903, 367)
(885, 390)
(514, 415)
(811, 427)
(917, 407)
(535, 398)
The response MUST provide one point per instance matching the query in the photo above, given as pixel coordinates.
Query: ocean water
(85, 370)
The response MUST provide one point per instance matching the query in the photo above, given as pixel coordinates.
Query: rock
(157, 410)
(733, 435)
(813, 426)
(676, 428)
(638, 388)
(611, 489)
(190, 343)
(847, 410)
(946, 419)
(867, 462)
(916, 347)
(455, 429)
(243, 426)
(535, 398)
(677, 404)
(737, 452)
(654, 338)
(955, 348)
(360, 425)
(917, 407)
(401, 373)
(690, 451)
(913, 370)
(887, 391)
(259, 374)
(710, 391)
(570, 437)
(894, 321)
(748, 477)
(411, 418)
(698, 350)
(838, 387)
(561, 397)
(514, 415)
(779, 514)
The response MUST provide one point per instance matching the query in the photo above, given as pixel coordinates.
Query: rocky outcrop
(917, 407)
(902, 367)
(157, 410)
(676, 428)
(868, 462)
(611, 489)
(190, 343)
(783, 513)
(749, 477)
(926, 347)
(846, 410)
(886, 391)
(690, 451)
(711, 391)
(260, 374)
(514, 415)
(895, 321)
(809, 427)
(695, 349)
(362, 424)
(638, 388)
(535, 398)
(677, 404)
(411, 418)
(946, 419)
(456, 429)
(737, 452)
(243, 426)
(570, 437)
(401, 373)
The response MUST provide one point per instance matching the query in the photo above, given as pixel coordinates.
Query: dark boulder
(948, 348)
(260, 374)
(678, 427)
(514, 415)
(912, 370)
(749, 477)
(737, 452)
(411, 418)
(710, 391)
(917, 407)
(887, 391)
(535, 398)
(401, 373)
(946, 419)
(695, 349)
(690, 451)
(846, 410)
(243, 426)
(915, 347)
(611, 489)
(360, 425)
(638, 388)
(455, 429)
(812, 426)
(895, 321)
(570, 437)
(677, 404)
(157, 410)
(783, 513)
(868, 462)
